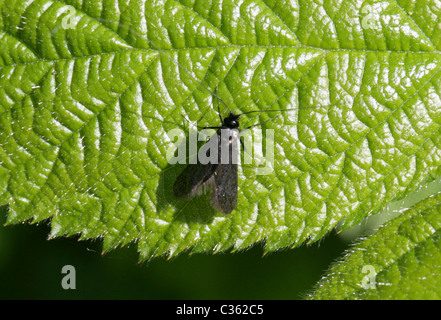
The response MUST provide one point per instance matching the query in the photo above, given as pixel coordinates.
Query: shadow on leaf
(194, 210)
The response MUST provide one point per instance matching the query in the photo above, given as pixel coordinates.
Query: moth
(219, 176)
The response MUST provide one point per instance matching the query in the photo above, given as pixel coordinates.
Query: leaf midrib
(230, 46)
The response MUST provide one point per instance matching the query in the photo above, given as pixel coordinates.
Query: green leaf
(400, 261)
(89, 90)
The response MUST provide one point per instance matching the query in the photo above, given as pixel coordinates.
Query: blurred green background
(30, 268)
(30, 265)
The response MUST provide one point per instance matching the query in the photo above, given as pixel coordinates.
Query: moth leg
(259, 124)
(188, 120)
(245, 149)
(241, 142)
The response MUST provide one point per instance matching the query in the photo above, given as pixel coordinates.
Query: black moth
(220, 177)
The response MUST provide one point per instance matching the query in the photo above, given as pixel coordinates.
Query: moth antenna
(188, 72)
(282, 110)
(177, 63)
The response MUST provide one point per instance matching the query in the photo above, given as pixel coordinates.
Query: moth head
(232, 121)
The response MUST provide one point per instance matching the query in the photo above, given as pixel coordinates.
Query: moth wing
(192, 180)
(221, 178)
(224, 196)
